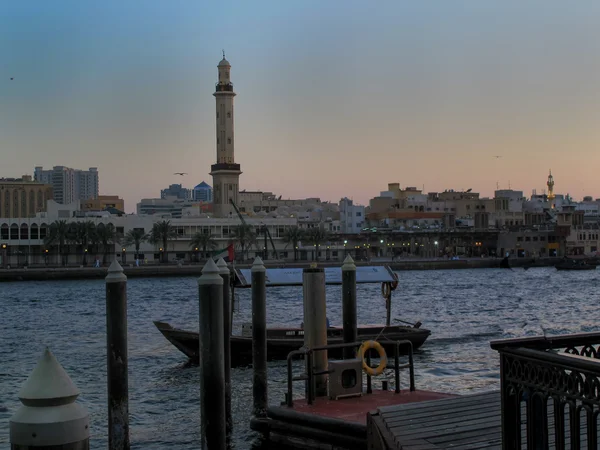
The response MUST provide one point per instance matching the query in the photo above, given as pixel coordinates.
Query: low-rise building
(22, 197)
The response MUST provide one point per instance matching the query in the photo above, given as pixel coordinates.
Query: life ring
(382, 357)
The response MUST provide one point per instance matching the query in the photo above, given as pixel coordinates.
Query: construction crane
(264, 230)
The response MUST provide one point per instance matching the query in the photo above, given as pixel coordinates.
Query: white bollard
(49, 417)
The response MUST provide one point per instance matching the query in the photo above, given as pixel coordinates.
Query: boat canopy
(333, 275)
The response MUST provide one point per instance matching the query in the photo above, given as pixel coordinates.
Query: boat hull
(282, 341)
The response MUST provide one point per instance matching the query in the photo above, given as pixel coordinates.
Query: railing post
(349, 306)
(116, 349)
(225, 275)
(213, 426)
(510, 406)
(259, 338)
(315, 323)
(49, 417)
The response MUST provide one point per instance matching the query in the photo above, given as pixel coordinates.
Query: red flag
(230, 252)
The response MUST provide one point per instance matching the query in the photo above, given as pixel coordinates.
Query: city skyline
(406, 93)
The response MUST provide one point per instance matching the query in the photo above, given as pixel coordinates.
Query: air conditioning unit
(345, 378)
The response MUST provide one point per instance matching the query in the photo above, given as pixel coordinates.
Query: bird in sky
(497, 156)
(180, 173)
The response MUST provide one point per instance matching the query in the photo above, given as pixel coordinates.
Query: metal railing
(550, 389)
(309, 375)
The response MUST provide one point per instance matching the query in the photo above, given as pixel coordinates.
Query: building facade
(103, 202)
(69, 184)
(203, 192)
(352, 217)
(177, 191)
(22, 197)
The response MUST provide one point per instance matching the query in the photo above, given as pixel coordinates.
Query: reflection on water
(465, 309)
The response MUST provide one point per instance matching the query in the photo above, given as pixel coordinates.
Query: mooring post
(116, 349)
(349, 305)
(315, 323)
(259, 337)
(225, 275)
(213, 425)
(49, 417)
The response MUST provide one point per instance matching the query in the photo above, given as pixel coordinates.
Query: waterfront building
(103, 202)
(352, 217)
(203, 193)
(168, 207)
(69, 184)
(22, 197)
(176, 191)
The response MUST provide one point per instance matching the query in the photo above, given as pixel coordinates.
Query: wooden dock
(466, 422)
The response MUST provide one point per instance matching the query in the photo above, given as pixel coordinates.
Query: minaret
(225, 173)
(550, 185)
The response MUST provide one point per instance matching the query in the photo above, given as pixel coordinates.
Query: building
(352, 217)
(203, 192)
(22, 197)
(68, 184)
(103, 202)
(225, 173)
(177, 191)
(164, 207)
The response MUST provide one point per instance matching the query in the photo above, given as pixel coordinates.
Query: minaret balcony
(225, 167)
(228, 87)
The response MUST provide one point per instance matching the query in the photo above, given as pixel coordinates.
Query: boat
(282, 341)
(573, 264)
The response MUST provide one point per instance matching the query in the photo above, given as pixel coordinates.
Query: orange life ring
(382, 357)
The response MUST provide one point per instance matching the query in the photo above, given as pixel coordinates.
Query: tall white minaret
(225, 173)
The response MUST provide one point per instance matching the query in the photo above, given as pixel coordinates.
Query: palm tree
(316, 236)
(107, 235)
(58, 233)
(245, 236)
(135, 238)
(204, 241)
(82, 233)
(292, 236)
(162, 232)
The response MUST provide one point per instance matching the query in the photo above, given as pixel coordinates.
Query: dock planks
(467, 422)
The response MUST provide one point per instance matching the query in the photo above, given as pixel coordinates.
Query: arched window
(229, 140)
(43, 231)
(229, 115)
(24, 231)
(34, 231)
(14, 231)
(4, 232)
(31, 204)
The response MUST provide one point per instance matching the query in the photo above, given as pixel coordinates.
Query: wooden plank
(466, 423)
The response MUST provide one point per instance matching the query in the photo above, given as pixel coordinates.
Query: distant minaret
(225, 173)
(550, 185)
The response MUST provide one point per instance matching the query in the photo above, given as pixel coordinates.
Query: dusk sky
(335, 98)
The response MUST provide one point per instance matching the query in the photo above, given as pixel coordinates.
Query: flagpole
(232, 305)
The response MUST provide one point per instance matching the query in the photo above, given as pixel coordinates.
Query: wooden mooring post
(117, 363)
(259, 338)
(49, 417)
(225, 274)
(315, 323)
(349, 305)
(213, 428)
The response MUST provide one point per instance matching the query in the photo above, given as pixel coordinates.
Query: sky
(334, 99)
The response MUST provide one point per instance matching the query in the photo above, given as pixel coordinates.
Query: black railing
(550, 391)
(309, 375)
(224, 87)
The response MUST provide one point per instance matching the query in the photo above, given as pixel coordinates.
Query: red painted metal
(355, 409)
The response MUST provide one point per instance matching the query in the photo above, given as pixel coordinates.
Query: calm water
(465, 309)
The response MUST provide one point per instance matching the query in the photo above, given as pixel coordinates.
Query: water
(465, 309)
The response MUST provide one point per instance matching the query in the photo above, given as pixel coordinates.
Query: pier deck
(465, 422)
(469, 421)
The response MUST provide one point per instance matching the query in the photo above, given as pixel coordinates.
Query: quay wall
(80, 273)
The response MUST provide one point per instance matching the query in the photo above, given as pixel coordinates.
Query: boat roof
(333, 275)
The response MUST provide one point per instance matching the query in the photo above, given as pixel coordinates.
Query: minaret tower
(550, 185)
(225, 173)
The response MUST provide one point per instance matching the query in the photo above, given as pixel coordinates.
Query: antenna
(223, 53)
(509, 184)
(497, 186)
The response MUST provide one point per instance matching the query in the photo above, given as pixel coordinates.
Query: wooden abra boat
(573, 264)
(282, 341)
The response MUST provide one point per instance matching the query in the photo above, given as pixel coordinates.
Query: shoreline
(83, 273)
